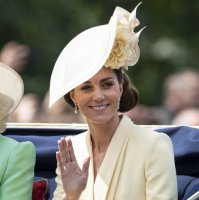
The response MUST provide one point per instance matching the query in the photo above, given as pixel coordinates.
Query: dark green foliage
(170, 41)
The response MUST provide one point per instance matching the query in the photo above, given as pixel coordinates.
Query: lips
(99, 107)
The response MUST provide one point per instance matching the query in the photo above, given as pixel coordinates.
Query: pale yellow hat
(11, 92)
(111, 45)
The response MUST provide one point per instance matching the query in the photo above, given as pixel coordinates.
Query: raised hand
(73, 178)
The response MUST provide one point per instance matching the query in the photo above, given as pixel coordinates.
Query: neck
(102, 134)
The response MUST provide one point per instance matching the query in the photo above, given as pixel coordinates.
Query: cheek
(115, 96)
(81, 99)
(76, 97)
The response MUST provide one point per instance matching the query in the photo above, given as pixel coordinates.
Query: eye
(108, 84)
(86, 87)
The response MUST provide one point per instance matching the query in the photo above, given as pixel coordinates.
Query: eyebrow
(104, 79)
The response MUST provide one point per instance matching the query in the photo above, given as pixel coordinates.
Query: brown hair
(129, 96)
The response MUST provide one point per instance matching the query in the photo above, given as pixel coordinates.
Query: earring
(76, 109)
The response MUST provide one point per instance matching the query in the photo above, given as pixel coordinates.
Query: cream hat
(11, 92)
(111, 45)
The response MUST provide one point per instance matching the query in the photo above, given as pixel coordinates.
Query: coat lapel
(89, 191)
(107, 178)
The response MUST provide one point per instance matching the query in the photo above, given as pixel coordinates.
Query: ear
(121, 87)
(72, 96)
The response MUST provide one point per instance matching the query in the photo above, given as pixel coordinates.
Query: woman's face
(98, 98)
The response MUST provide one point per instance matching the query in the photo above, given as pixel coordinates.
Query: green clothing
(17, 162)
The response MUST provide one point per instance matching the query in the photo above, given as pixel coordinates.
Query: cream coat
(138, 165)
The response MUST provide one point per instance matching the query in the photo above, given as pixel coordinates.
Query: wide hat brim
(82, 58)
(11, 86)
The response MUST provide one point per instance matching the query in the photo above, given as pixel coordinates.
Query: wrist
(67, 197)
(72, 198)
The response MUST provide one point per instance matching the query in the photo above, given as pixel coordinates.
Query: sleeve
(59, 191)
(18, 177)
(160, 172)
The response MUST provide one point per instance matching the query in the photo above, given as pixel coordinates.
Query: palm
(73, 178)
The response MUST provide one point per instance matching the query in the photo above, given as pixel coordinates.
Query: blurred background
(33, 33)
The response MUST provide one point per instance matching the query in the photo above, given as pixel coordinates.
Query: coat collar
(111, 165)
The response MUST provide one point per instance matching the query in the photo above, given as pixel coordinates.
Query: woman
(115, 159)
(17, 159)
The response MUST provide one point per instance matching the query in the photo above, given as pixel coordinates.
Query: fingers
(66, 151)
(71, 150)
(62, 146)
(67, 163)
(59, 161)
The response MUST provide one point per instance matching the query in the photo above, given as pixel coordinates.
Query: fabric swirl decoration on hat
(125, 51)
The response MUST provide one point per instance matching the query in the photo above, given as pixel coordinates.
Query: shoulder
(22, 152)
(148, 137)
(142, 132)
(23, 155)
(152, 142)
(10, 144)
(7, 141)
(17, 155)
(27, 146)
(12, 147)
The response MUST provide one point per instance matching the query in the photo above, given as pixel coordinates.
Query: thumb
(86, 166)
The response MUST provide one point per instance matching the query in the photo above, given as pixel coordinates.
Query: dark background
(169, 43)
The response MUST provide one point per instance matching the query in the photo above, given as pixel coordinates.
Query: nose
(98, 95)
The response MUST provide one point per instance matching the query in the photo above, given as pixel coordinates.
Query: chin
(101, 119)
